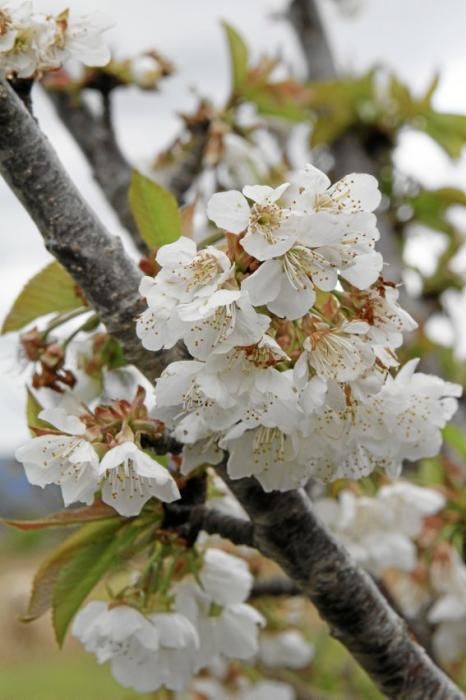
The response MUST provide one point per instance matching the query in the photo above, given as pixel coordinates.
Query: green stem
(64, 318)
(209, 240)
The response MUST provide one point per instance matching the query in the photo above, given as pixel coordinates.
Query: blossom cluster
(380, 532)
(32, 42)
(209, 619)
(99, 452)
(293, 334)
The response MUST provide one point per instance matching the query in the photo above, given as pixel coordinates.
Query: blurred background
(417, 39)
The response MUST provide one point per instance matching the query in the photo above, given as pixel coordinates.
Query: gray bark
(284, 527)
(72, 232)
(96, 138)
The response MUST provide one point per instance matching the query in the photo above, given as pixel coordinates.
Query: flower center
(269, 444)
(300, 263)
(204, 267)
(265, 219)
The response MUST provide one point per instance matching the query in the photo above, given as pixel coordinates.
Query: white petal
(229, 210)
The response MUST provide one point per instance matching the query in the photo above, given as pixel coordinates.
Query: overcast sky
(415, 37)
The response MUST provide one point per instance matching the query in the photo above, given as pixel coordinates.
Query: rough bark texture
(287, 531)
(71, 231)
(96, 138)
(285, 528)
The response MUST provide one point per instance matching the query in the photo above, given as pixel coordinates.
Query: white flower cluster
(380, 532)
(126, 476)
(293, 334)
(32, 42)
(448, 574)
(166, 648)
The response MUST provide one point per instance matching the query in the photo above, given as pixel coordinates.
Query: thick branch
(71, 231)
(285, 528)
(287, 531)
(191, 165)
(276, 586)
(196, 518)
(95, 136)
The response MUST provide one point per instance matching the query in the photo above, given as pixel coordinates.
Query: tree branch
(191, 165)
(72, 232)
(96, 138)
(275, 586)
(238, 530)
(285, 529)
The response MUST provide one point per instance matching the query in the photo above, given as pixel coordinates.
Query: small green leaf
(449, 130)
(83, 571)
(33, 408)
(52, 289)
(455, 438)
(46, 577)
(155, 211)
(239, 57)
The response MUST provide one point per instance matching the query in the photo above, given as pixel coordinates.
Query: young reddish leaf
(76, 516)
(52, 289)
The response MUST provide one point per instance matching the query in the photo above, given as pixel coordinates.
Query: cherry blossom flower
(146, 652)
(229, 630)
(130, 478)
(341, 353)
(187, 273)
(65, 458)
(224, 578)
(269, 690)
(288, 649)
(386, 318)
(270, 229)
(379, 532)
(448, 574)
(34, 42)
(184, 407)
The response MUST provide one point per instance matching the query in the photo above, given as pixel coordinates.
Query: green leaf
(455, 438)
(46, 577)
(449, 130)
(52, 289)
(84, 570)
(155, 211)
(239, 57)
(33, 408)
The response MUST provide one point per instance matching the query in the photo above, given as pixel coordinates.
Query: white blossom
(341, 353)
(130, 477)
(448, 574)
(270, 229)
(33, 42)
(269, 690)
(224, 578)
(146, 652)
(225, 624)
(288, 649)
(66, 459)
(380, 531)
(187, 273)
